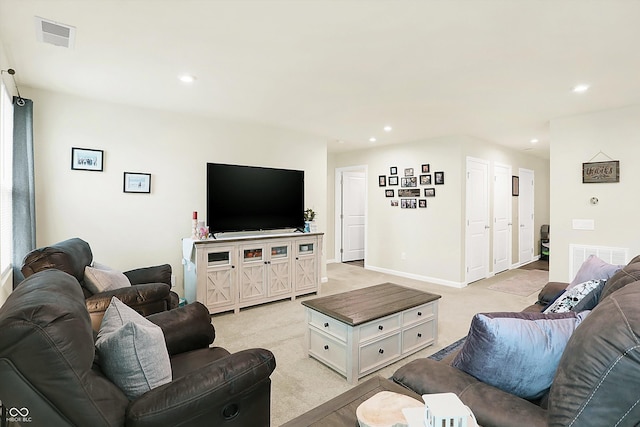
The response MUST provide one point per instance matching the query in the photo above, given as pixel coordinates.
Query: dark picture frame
(393, 170)
(393, 180)
(515, 186)
(598, 172)
(409, 181)
(429, 192)
(394, 202)
(382, 181)
(136, 182)
(408, 172)
(422, 203)
(408, 192)
(426, 168)
(408, 203)
(425, 179)
(438, 177)
(87, 159)
(388, 193)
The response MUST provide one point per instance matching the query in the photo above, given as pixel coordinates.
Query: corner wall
(432, 240)
(579, 139)
(128, 230)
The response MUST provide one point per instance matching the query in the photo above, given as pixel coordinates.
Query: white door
(501, 218)
(477, 231)
(525, 214)
(353, 215)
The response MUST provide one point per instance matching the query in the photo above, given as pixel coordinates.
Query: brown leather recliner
(50, 375)
(150, 291)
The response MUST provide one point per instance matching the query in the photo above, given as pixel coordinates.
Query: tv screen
(249, 198)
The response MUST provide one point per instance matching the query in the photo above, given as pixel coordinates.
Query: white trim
(433, 280)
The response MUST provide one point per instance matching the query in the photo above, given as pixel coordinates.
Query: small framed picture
(425, 168)
(393, 180)
(410, 181)
(425, 179)
(394, 202)
(137, 182)
(86, 159)
(388, 193)
(439, 178)
(393, 170)
(429, 192)
(408, 172)
(422, 203)
(382, 181)
(408, 204)
(515, 186)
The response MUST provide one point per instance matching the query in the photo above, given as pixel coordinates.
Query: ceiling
(497, 70)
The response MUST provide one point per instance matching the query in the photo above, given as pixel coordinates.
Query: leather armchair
(150, 291)
(48, 366)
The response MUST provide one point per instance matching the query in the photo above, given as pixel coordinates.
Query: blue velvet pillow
(517, 352)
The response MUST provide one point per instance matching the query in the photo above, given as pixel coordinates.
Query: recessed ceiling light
(372, 139)
(388, 128)
(187, 78)
(534, 141)
(581, 88)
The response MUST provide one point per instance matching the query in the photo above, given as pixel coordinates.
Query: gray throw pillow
(132, 351)
(574, 296)
(100, 278)
(517, 352)
(593, 268)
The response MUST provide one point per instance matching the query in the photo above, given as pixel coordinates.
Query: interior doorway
(351, 203)
(526, 215)
(477, 220)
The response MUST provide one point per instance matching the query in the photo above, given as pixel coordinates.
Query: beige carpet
(522, 282)
(300, 383)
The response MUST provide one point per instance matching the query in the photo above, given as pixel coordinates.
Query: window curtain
(24, 204)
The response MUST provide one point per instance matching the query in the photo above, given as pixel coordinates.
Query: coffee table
(361, 331)
(341, 410)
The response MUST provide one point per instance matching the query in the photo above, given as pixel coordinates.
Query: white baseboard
(433, 280)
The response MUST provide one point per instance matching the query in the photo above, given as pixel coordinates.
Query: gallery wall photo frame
(389, 193)
(515, 186)
(136, 182)
(382, 180)
(87, 159)
(393, 180)
(393, 170)
(438, 177)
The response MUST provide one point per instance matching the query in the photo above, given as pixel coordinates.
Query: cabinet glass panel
(253, 254)
(305, 248)
(218, 258)
(279, 251)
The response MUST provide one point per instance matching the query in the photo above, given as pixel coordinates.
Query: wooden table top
(366, 304)
(341, 410)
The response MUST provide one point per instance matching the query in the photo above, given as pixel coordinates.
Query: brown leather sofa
(50, 373)
(150, 291)
(596, 384)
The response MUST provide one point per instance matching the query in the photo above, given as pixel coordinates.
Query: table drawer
(379, 327)
(329, 350)
(419, 313)
(328, 325)
(379, 352)
(419, 335)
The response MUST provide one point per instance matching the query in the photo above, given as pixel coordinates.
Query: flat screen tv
(250, 198)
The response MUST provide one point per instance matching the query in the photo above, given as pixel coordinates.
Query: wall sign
(596, 172)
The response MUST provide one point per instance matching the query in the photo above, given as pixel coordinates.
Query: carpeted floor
(521, 282)
(300, 383)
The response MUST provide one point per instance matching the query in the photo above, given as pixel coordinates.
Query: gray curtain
(24, 205)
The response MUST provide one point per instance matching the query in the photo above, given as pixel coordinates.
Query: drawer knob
(326, 347)
(381, 351)
(326, 324)
(381, 327)
(419, 335)
(419, 313)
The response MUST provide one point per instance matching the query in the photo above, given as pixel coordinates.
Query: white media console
(230, 273)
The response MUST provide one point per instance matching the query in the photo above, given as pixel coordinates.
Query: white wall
(431, 239)
(6, 281)
(575, 140)
(133, 230)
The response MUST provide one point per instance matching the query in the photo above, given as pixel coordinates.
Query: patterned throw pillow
(571, 297)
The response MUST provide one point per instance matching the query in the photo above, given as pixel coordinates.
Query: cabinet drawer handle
(419, 335)
(326, 347)
(419, 313)
(381, 327)
(381, 351)
(326, 324)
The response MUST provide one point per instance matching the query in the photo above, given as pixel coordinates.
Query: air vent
(55, 33)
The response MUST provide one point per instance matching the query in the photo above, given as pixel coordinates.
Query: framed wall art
(408, 203)
(426, 168)
(409, 182)
(87, 159)
(393, 170)
(408, 172)
(422, 203)
(429, 192)
(425, 179)
(515, 186)
(135, 182)
(393, 180)
(382, 181)
(439, 178)
(409, 192)
(596, 172)
(388, 193)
